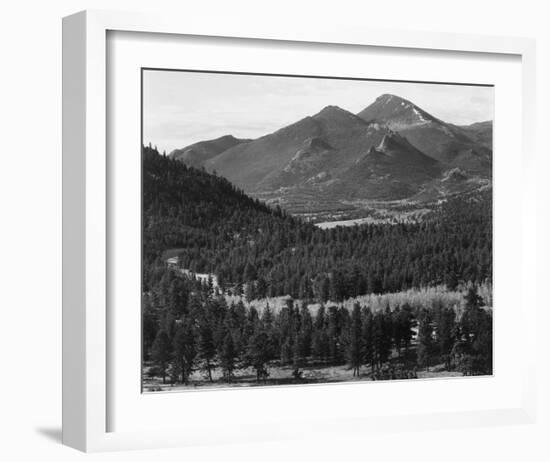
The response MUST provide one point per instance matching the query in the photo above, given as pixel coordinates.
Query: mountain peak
(333, 107)
(335, 116)
(396, 112)
(332, 110)
(226, 138)
(387, 97)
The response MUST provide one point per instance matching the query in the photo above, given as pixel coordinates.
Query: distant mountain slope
(452, 182)
(198, 153)
(319, 146)
(394, 169)
(447, 143)
(480, 132)
(391, 150)
(248, 164)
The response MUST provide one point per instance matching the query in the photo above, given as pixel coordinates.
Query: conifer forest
(238, 290)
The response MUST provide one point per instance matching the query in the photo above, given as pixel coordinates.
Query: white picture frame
(86, 377)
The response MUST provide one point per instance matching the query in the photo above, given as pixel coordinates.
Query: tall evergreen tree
(355, 345)
(445, 329)
(305, 333)
(319, 338)
(425, 341)
(228, 356)
(258, 353)
(206, 346)
(369, 356)
(474, 346)
(162, 352)
(185, 349)
(381, 335)
(397, 329)
(333, 332)
(406, 322)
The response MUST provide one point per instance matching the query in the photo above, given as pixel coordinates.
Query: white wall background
(30, 228)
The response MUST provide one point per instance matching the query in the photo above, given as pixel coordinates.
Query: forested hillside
(205, 242)
(213, 227)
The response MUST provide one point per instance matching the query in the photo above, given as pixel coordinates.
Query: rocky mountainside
(450, 144)
(391, 150)
(394, 169)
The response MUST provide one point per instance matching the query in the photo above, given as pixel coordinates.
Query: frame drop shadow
(52, 433)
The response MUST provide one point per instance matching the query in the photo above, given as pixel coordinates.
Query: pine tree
(320, 319)
(451, 280)
(261, 288)
(483, 345)
(177, 296)
(337, 286)
(267, 317)
(149, 326)
(206, 347)
(285, 330)
(473, 303)
(397, 330)
(228, 355)
(333, 332)
(381, 336)
(319, 338)
(474, 345)
(185, 349)
(445, 329)
(162, 352)
(250, 291)
(258, 353)
(250, 273)
(306, 331)
(355, 344)
(367, 339)
(406, 323)
(286, 353)
(297, 357)
(250, 326)
(425, 341)
(268, 324)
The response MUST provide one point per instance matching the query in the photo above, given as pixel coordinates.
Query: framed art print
(258, 222)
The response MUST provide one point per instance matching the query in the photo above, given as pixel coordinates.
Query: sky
(181, 108)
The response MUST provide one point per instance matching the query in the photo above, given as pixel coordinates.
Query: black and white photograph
(264, 232)
(302, 230)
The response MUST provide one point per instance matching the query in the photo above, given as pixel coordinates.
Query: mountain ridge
(317, 154)
(445, 142)
(197, 154)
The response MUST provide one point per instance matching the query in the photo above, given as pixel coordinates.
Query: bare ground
(283, 375)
